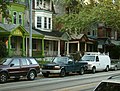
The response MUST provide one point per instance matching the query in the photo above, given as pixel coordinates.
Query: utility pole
(30, 32)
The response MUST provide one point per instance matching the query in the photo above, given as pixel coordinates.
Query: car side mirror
(11, 65)
(70, 62)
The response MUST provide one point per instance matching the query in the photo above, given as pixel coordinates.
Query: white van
(97, 61)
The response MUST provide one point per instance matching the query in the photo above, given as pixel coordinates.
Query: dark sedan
(18, 67)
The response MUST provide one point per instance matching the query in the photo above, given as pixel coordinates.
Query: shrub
(3, 50)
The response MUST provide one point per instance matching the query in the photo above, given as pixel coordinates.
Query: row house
(45, 40)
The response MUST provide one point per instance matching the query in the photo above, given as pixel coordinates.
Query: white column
(58, 47)
(85, 47)
(78, 46)
(67, 48)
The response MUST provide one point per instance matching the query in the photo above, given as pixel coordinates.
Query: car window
(6, 61)
(25, 62)
(106, 86)
(15, 62)
(33, 61)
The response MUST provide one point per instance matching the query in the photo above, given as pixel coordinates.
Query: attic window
(15, 17)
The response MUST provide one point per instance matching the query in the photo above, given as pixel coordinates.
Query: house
(15, 33)
(42, 22)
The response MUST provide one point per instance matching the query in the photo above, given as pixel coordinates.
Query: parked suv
(18, 67)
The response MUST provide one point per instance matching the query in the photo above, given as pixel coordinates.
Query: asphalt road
(74, 82)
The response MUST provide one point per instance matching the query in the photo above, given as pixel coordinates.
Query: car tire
(45, 74)
(3, 77)
(93, 70)
(31, 75)
(107, 69)
(81, 71)
(62, 73)
(116, 68)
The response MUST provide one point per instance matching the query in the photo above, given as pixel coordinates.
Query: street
(86, 82)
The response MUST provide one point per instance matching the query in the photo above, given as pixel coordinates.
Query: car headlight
(89, 65)
(56, 67)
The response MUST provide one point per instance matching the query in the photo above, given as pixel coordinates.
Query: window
(44, 3)
(49, 23)
(33, 61)
(7, 19)
(97, 59)
(25, 62)
(34, 44)
(39, 20)
(15, 62)
(45, 22)
(20, 19)
(37, 2)
(15, 18)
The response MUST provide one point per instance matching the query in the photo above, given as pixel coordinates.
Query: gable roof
(11, 28)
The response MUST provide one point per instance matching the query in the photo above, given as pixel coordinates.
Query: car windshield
(106, 86)
(88, 58)
(6, 61)
(60, 60)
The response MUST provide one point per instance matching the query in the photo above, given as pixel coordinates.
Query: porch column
(26, 47)
(58, 47)
(78, 46)
(9, 45)
(43, 47)
(23, 46)
(67, 48)
(85, 47)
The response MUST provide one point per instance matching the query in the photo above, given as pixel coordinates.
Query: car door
(70, 65)
(25, 66)
(98, 65)
(14, 69)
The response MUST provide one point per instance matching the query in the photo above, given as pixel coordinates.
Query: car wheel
(81, 71)
(45, 74)
(115, 68)
(3, 77)
(62, 73)
(31, 75)
(93, 70)
(107, 69)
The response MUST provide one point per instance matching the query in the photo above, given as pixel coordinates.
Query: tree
(96, 12)
(4, 7)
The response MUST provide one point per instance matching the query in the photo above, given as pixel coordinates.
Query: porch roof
(35, 34)
(104, 41)
(12, 29)
(57, 34)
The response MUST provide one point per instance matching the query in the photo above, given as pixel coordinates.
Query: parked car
(63, 66)
(111, 84)
(96, 61)
(115, 65)
(18, 67)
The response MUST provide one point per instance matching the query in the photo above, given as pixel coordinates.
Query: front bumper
(50, 71)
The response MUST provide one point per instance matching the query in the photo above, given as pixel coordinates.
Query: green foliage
(115, 52)
(3, 50)
(104, 11)
(4, 8)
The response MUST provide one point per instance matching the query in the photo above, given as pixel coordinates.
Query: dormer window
(44, 3)
(15, 18)
(20, 19)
